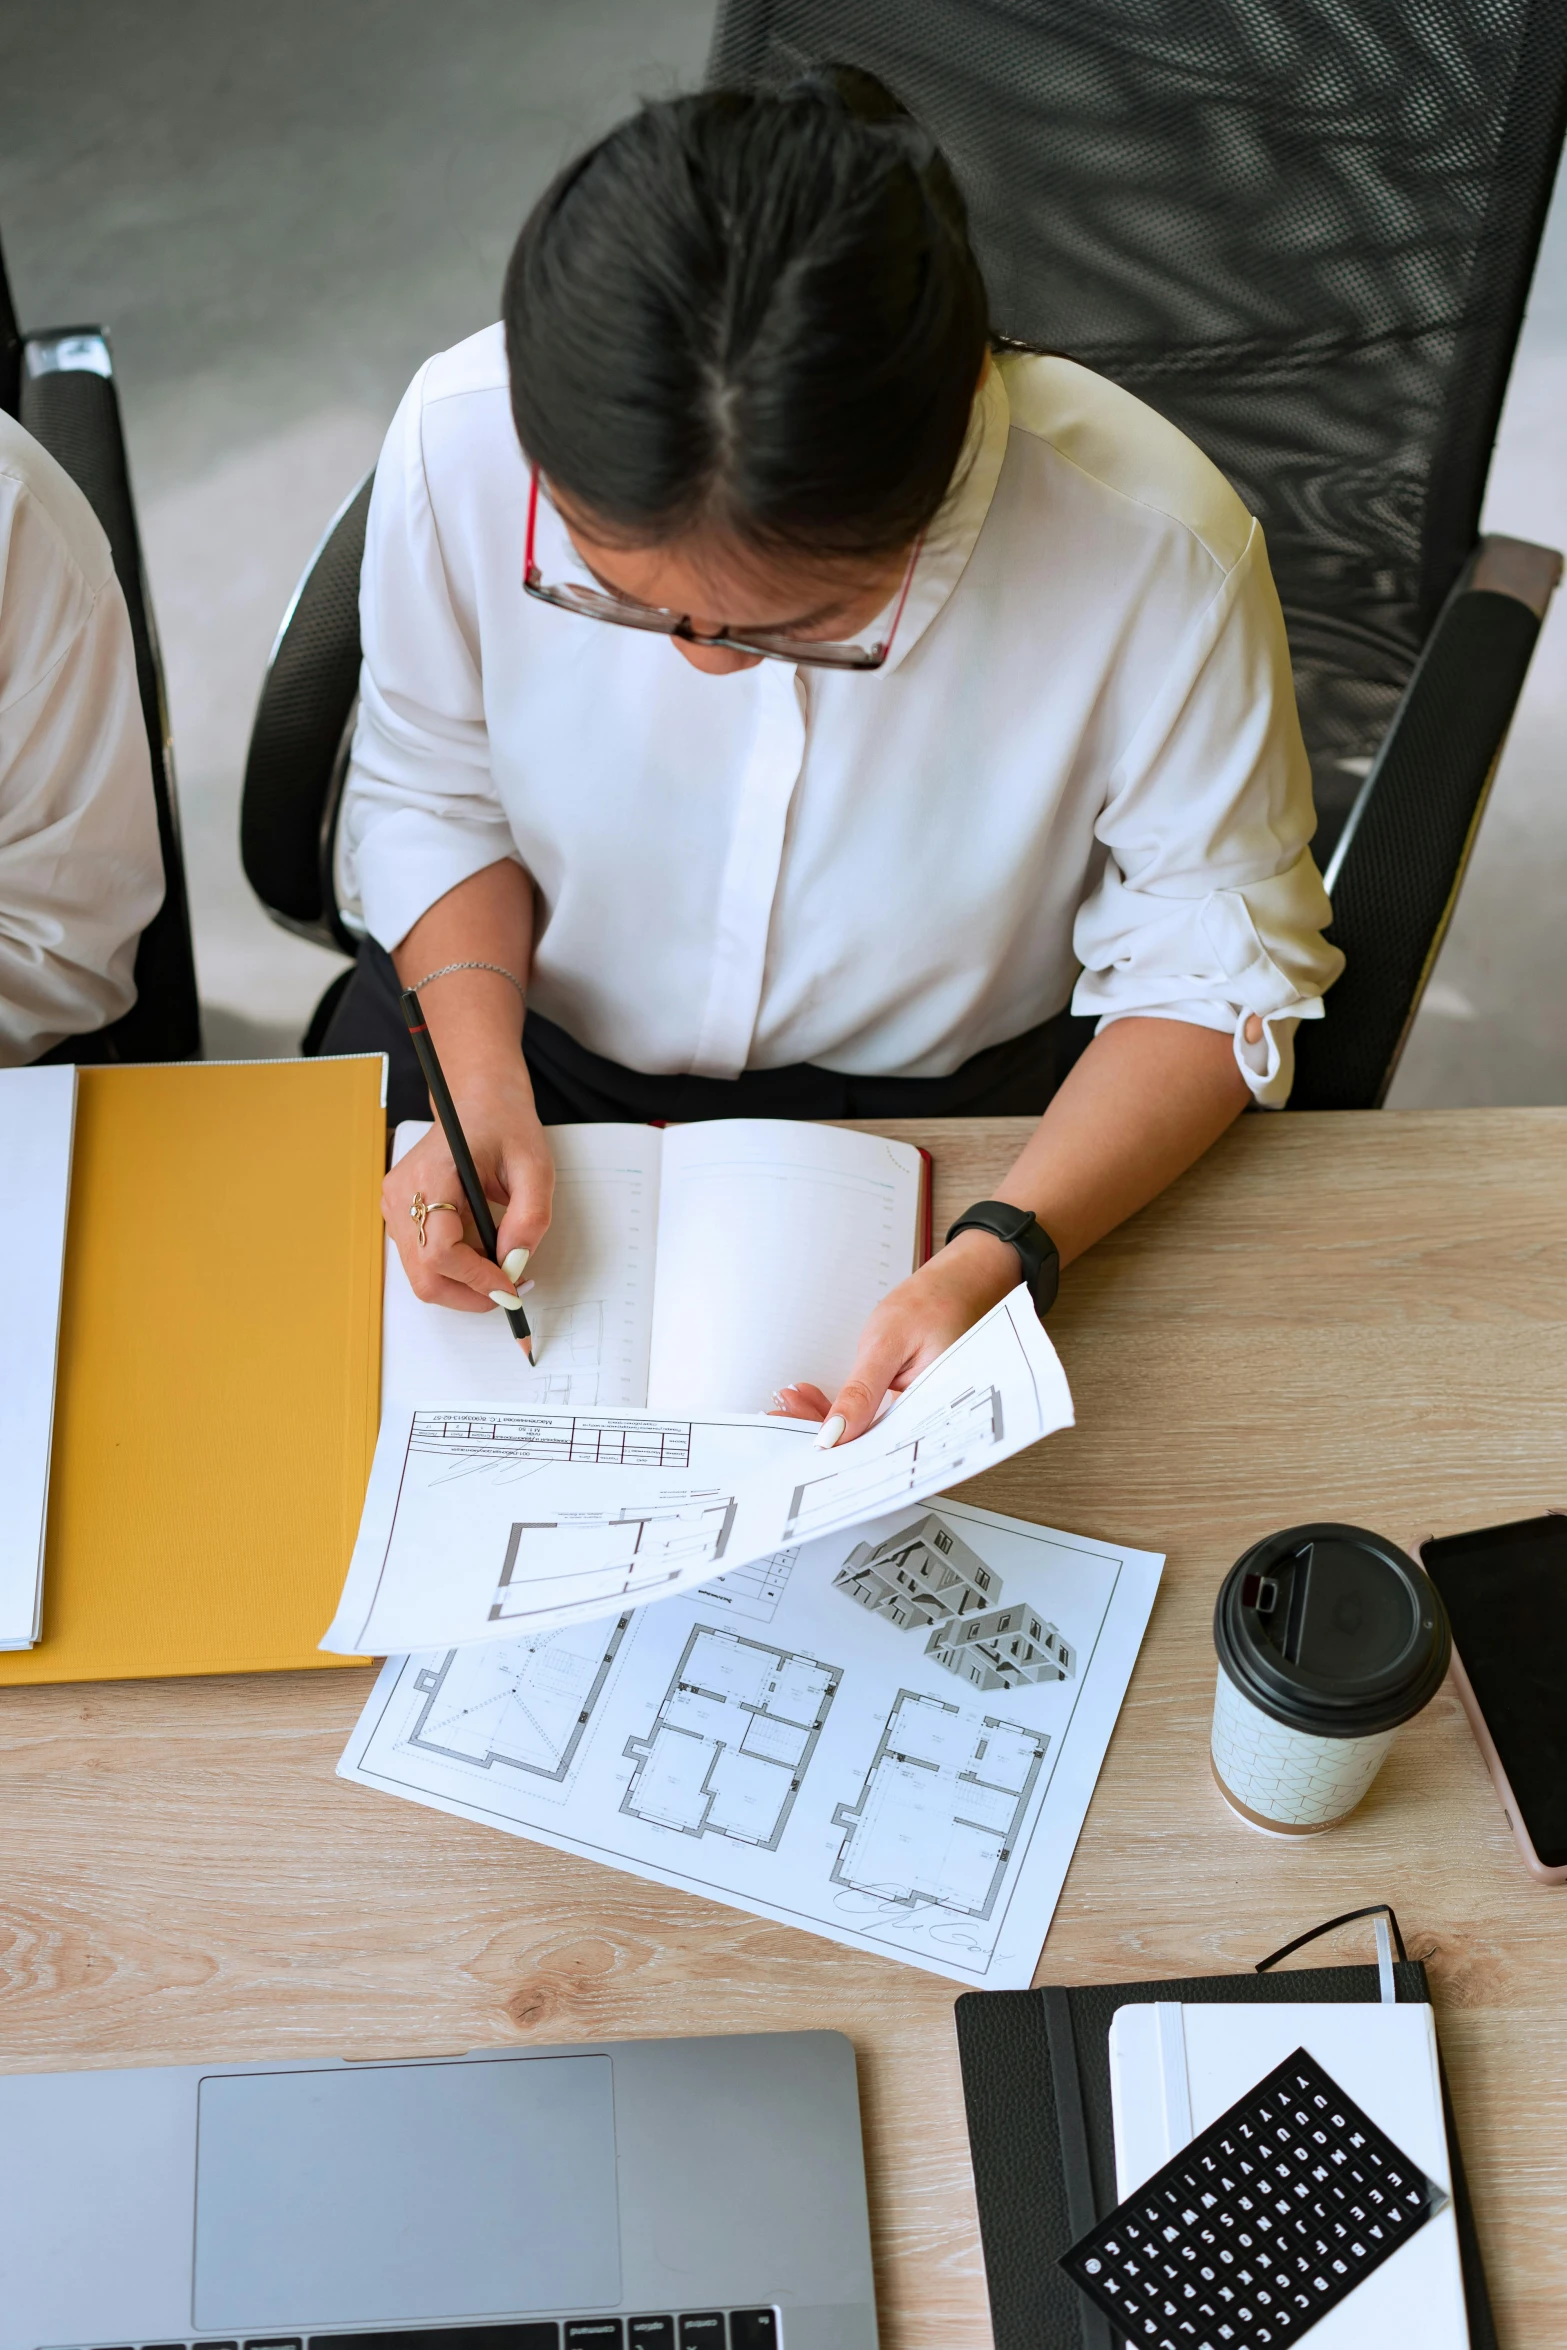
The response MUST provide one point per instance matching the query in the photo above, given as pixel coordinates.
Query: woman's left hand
(913, 1324)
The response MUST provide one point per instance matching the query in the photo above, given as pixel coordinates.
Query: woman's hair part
(751, 314)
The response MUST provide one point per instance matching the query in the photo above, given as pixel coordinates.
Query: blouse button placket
(751, 868)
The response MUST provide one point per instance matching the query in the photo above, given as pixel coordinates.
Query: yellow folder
(219, 1369)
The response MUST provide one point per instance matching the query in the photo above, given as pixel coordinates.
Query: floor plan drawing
(732, 1739)
(950, 1442)
(754, 1591)
(941, 1808)
(442, 1492)
(524, 1705)
(820, 1768)
(660, 1534)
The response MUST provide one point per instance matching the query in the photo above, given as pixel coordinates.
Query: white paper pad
(592, 1306)
(485, 1520)
(37, 1121)
(772, 1742)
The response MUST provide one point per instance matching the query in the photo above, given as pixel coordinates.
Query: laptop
(644, 2195)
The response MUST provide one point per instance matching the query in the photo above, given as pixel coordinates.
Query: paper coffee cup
(1329, 1638)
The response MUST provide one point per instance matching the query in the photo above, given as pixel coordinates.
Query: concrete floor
(280, 211)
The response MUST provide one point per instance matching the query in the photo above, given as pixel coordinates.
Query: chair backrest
(10, 349)
(1302, 229)
(68, 402)
(299, 743)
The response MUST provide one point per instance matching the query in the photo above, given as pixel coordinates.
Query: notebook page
(37, 1116)
(775, 1240)
(591, 1310)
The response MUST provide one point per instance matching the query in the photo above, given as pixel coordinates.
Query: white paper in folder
(37, 1123)
(1174, 2069)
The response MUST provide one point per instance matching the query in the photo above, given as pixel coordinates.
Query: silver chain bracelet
(447, 968)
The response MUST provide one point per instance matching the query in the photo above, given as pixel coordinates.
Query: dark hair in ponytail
(756, 313)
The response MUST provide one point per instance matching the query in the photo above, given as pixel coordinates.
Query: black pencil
(457, 1144)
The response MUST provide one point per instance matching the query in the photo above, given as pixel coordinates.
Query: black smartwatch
(1035, 1248)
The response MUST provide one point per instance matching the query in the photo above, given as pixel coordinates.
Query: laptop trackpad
(391, 2193)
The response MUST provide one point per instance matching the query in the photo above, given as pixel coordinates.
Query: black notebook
(1036, 2082)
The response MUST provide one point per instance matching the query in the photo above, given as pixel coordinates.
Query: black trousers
(575, 1087)
(96, 1050)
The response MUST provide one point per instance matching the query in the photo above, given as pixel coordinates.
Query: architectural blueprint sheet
(890, 1738)
(486, 1520)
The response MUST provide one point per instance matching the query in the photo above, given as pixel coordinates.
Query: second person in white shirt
(805, 711)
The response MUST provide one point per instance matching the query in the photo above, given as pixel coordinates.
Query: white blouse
(1080, 764)
(81, 873)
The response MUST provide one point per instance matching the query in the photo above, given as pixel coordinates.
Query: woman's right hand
(518, 1174)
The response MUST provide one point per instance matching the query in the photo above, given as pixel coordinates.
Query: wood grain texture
(1350, 1316)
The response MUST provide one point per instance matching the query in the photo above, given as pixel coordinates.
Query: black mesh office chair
(60, 385)
(1304, 230)
(299, 744)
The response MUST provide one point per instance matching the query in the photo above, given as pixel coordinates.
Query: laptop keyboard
(698, 2329)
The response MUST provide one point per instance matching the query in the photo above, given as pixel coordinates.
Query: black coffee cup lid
(1332, 1630)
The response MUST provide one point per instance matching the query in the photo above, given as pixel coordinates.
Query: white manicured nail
(831, 1430)
(502, 1298)
(513, 1263)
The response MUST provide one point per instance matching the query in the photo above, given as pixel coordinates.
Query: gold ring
(422, 1210)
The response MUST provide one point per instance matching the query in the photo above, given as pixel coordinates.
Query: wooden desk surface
(1361, 1317)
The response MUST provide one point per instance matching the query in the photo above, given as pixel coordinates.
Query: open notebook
(690, 1268)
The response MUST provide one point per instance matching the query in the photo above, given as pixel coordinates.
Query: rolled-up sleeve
(420, 812)
(1208, 907)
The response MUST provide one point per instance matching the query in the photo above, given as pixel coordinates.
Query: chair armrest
(299, 742)
(1396, 872)
(69, 403)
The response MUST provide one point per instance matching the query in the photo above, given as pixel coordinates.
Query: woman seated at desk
(797, 697)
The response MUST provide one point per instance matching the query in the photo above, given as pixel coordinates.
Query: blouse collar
(951, 538)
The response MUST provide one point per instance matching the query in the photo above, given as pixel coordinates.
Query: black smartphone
(1505, 1590)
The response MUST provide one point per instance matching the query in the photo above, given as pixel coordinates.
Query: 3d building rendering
(920, 1576)
(926, 1579)
(1005, 1648)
